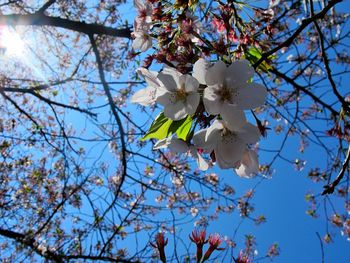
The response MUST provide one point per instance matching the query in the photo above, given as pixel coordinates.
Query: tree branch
(31, 243)
(50, 255)
(294, 36)
(116, 116)
(329, 189)
(305, 90)
(46, 6)
(40, 19)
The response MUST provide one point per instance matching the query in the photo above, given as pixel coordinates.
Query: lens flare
(10, 42)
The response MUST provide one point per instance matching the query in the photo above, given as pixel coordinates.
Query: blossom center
(143, 14)
(228, 137)
(226, 94)
(181, 94)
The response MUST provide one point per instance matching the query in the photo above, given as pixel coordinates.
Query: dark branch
(31, 243)
(116, 116)
(305, 90)
(50, 255)
(39, 19)
(294, 36)
(46, 6)
(329, 189)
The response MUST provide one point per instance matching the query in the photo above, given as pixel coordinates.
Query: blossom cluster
(218, 92)
(212, 96)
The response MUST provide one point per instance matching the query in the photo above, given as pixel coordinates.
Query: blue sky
(282, 200)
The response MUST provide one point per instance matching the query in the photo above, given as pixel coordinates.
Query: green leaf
(162, 127)
(159, 128)
(181, 127)
(254, 54)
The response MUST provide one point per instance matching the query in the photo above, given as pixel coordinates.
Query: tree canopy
(128, 129)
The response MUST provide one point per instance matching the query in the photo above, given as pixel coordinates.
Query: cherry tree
(114, 132)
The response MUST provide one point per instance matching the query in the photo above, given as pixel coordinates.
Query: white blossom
(249, 164)
(142, 39)
(290, 58)
(228, 91)
(147, 96)
(228, 144)
(199, 70)
(179, 96)
(194, 211)
(194, 24)
(144, 15)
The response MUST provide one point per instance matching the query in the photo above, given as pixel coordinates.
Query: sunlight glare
(11, 42)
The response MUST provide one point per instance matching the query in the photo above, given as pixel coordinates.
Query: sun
(11, 42)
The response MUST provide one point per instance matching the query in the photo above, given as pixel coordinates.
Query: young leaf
(253, 55)
(159, 128)
(181, 127)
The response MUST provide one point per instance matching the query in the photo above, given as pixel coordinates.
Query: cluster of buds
(339, 132)
(199, 238)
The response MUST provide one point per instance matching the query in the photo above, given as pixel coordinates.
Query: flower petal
(248, 133)
(202, 164)
(138, 4)
(249, 165)
(216, 73)
(200, 70)
(149, 76)
(239, 72)
(163, 143)
(175, 111)
(168, 81)
(191, 84)
(228, 154)
(234, 118)
(213, 132)
(176, 75)
(251, 96)
(147, 44)
(211, 100)
(192, 101)
(145, 97)
(164, 97)
(177, 146)
(137, 42)
(200, 142)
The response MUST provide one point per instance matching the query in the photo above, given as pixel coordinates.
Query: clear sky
(282, 200)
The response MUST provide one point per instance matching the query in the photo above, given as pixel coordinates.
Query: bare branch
(329, 189)
(294, 36)
(46, 6)
(39, 19)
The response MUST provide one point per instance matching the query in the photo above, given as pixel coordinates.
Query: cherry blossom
(144, 9)
(199, 70)
(198, 237)
(228, 144)
(228, 89)
(142, 39)
(190, 25)
(249, 165)
(147, 96)
(180, 97)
